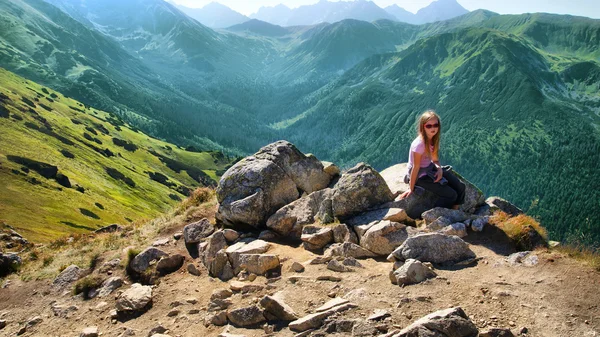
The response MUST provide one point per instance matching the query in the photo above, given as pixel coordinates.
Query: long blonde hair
(426, 116)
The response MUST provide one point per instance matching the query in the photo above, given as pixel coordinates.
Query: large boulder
(385, 236)
(433, 247)
(143, 260)
(450, 215)
(136, 298)
(416, 203)
(290, 219)
(342, 233)
(257, 186)
(196, 231)
(359, 189)
(442, 323)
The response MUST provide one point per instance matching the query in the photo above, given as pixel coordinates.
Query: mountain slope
(214, 15)
(68, 168)
(508, 121)
(440, 10)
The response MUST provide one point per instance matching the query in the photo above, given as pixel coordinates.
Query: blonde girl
(424, 169)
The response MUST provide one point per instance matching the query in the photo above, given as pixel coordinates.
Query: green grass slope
(114, 174)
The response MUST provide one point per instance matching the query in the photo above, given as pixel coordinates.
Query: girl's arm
(414, 174)
(436, 160)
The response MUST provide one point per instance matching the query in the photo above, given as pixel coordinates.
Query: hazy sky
(589, 8)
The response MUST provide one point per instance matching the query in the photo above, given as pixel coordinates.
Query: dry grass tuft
(525, 231)
(581, 253)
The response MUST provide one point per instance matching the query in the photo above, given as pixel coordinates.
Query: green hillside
(510, 125)
(68, 168)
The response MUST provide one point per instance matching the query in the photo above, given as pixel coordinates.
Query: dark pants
(450, 194)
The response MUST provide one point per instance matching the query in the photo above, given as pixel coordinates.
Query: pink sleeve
(419, 147)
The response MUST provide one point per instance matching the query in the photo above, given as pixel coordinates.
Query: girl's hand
(405, 194)
(438, 175)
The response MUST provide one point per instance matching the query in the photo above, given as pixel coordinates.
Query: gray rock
(478, 224)
(433, 247)
(352, 262)
(63, 311)
(64, 280)
(316, 237)
(143, 260)
(378, 315)
(259, 264)
(348, 249)
(9, 263)
(459, 229)
(331, 169)
(30, 324)
(178, 235)
(91, 331)
(136, 298)
(364, 329)
(244, 287)
(413, 272)
(335, 265)
(255, 187)
(275, 306)
(231, 235)
(161, 242)
(159, 329)
(317, 319)
(385, 236)
(246, 316)
(192, 269)
(218, 304)
(219, 266)
(503, 205)
(109, 285)
(523, 258)
(195, 232)
(359, 189)
(2, 324)
(439, 224)
(391, 214)
(220, 294)
(297, 267)
(450, 214)
(448, 322)
(268, 235)
(290, 219)
(218, 319)
(245, 246)
(213, 261)
(342, 233)
(169, 264)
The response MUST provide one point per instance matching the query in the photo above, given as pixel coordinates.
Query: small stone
(178, 235)
(191, 301)
(218, 319)
(91, 331)
(297, 267)
(231, 235)
(246, 316)
(173, 313)
(220, 294)
(378, 315)
(159, 329)
(335, 265)
(329, 278)
(192, 269)
(161, 242)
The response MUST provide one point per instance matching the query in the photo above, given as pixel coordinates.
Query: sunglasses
(429, 126)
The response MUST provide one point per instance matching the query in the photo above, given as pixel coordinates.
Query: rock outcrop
(433, 247)
(257, 186)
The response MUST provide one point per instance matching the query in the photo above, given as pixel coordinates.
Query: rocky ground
(555, 297)
(330, 254)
